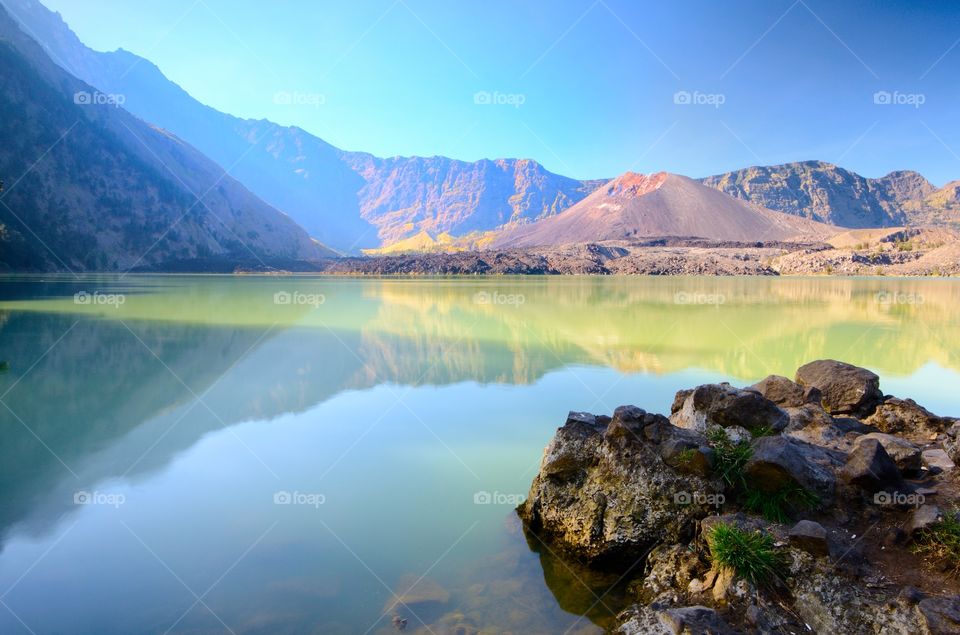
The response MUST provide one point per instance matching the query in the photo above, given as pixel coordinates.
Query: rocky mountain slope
(828, 193)
(348, 200)
(88, 186)
(636, 206)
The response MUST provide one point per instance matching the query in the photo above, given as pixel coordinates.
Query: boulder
(782, 461)
(695, 620)
(940, 616)
(905, 454)
(838, 433)
(937, 458)
(871, 468)
(811, 537)
(786, 393)
(726, 406)
(845, 389)
(606, 497)
(905, 416)
(413, 591)
(923, 517)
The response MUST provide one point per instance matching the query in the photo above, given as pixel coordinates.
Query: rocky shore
(812, 505)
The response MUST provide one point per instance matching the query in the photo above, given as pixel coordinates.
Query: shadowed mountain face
(348, 200)
(830, 194)
(88, 186)
(638, 206)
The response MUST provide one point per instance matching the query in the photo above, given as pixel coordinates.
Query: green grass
(940, 544)
(684, 457)
(751, 555)
(730, 458)
(779, 506)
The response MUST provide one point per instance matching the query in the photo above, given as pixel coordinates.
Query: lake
(190, 454)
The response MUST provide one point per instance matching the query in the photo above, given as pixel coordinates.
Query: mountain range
(830, 194)
(99, 189)
(643, 206)
(102, 214)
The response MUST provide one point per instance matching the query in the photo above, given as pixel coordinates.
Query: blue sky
(587, 88)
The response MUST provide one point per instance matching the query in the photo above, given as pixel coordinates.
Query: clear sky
(586, 87)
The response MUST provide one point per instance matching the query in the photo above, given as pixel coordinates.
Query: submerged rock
(845, 389)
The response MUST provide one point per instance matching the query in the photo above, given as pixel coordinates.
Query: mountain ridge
(634, 206)
(348, 200)
(98, 189)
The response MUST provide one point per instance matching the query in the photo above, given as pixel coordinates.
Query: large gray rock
(695, 620)
(846, 389)
(811, 537)
(781, 461)
(604, 495)
(906, 455)
(923, 517)
(906, 417)
(871, 468)
(940, 616)
(725, 406)
(786, 393)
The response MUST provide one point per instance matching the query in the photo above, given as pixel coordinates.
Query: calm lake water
(282, 454)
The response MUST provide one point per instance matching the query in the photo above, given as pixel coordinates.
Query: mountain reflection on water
(470, 376)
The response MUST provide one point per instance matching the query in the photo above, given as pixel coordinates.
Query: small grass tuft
(779, 506)
(731, 457)
(940, 544)
(750, 554)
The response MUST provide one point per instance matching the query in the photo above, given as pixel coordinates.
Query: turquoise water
(200, 454)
